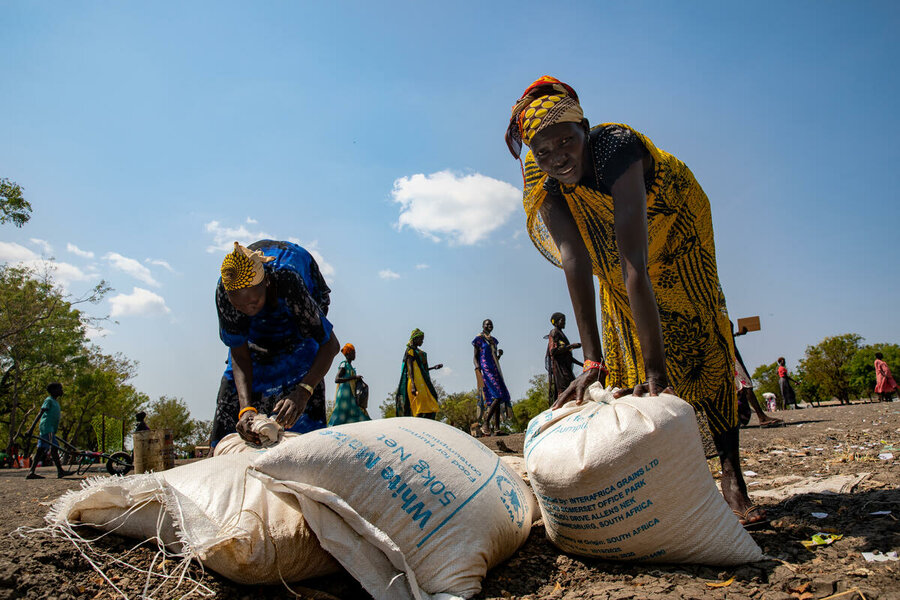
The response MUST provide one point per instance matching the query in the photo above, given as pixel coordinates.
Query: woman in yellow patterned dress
(605, 201)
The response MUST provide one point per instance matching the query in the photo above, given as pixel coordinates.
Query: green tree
(169, 412)
(200, 432)
(534, 403)
(13, 206)
(826, 365)
(42, 339)
(460, 409)
(861, 367)
(388, 407)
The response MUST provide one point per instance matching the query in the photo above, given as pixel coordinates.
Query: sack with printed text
(412, 508)
(626, 479)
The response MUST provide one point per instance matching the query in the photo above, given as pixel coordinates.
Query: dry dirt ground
(815, 442)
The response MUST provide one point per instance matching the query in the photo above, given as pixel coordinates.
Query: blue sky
(149, 136)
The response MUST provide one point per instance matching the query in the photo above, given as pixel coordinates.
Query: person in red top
(784, 384)
(885, 386)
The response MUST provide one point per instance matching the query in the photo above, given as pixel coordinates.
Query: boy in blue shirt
(49, 415)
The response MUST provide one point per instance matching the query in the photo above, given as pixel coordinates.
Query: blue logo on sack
(511, 500)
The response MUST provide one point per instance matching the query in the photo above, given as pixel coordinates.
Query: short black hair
(55, 389)
(879, 355)
(140, 416)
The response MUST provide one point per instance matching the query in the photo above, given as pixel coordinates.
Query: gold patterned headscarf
(243, 268)
(347, 348)
(546, 102)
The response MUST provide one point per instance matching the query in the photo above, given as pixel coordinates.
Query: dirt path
(815, 443)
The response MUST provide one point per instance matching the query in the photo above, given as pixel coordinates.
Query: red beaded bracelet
(593, 364)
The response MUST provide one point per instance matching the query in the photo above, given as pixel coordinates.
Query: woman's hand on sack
(654, 386)
(243, 428)
(578, 388)
(575, 346)
(288, 409)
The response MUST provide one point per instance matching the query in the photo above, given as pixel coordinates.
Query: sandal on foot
(772, 423)
(747, 523)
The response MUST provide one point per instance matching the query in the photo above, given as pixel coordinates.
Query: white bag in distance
(209, 510)
(411, 507)
(626, 479)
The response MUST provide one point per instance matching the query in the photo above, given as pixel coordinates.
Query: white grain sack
(209, 510)
(411, 507)
(626, 479)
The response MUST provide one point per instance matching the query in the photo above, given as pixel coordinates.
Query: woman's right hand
(575, 346)
(577, 388)
(243, 428)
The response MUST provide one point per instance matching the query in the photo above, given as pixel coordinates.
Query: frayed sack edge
(152, 489)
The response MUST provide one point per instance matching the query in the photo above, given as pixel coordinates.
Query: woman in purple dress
(493, 388)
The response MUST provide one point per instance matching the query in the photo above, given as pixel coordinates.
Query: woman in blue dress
(271, 302)
(487, 364)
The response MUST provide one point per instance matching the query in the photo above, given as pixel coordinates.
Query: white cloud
(63, 273)
(139, 302)
(44, 244)
(225, 237)
(461, 208)
(78, 251)
(12, 252)
(132, 267)
(251, 221)
(387, 274)
(421, 266)
(161, 263)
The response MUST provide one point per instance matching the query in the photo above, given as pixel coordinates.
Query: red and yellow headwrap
(348, 347)
(546, 102)
(243, 268)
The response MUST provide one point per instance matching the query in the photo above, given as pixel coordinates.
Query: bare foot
(735, 494)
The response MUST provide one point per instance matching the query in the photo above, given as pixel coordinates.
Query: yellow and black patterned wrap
(682, 266)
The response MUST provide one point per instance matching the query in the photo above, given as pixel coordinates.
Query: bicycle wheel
(119, 463)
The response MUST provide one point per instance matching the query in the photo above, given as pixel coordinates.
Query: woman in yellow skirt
(416, 395)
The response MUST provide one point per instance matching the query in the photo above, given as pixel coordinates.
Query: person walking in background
(746, 397)
(49, 416)
(272, 302)
(493, 388)
(415, 394)
(885, 386)
(771, 401)
(346, 410)
(788, 398)
(559, 360)
(607, 202)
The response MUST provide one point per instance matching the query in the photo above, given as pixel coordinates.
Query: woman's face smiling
(560, 152)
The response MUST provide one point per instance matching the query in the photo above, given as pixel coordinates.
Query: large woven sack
(626, 479)
(411, 507)
(209, 510)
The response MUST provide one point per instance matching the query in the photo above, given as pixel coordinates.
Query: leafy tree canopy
(14, 208)
(827, 363)
(861, 368)
(534, 403)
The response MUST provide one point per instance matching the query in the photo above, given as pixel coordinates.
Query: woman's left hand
(577, 388)
(288, 409)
